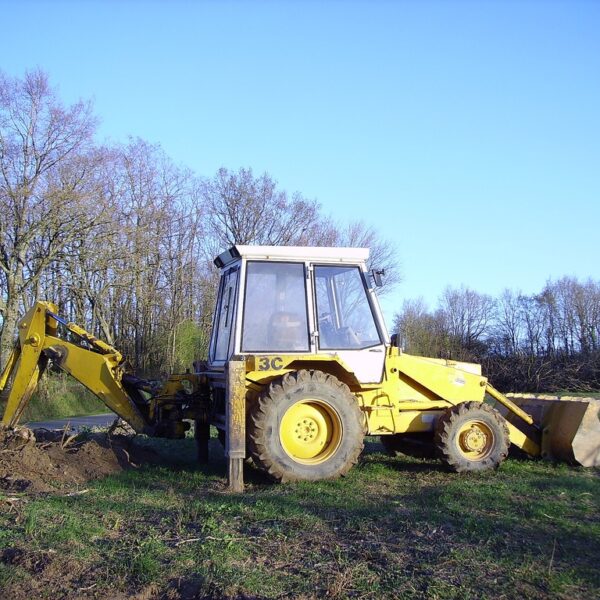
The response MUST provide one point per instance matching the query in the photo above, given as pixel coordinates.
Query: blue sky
(466, 132)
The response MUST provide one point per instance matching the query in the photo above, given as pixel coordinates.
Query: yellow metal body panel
(25, 363)
(187, 382)
(410, 397)
(437, 379)
(10, 364)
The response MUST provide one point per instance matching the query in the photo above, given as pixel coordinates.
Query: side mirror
(377, 276)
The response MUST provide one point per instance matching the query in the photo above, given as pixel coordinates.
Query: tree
(146, 273)
(467, 315)
(44, 194)
(508, 330)
(383, 253)
(419, 331)
(244, 209)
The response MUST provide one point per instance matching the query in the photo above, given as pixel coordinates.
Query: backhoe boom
(97, 366)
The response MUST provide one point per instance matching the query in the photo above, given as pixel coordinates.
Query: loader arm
(527, 439)
(95, 364)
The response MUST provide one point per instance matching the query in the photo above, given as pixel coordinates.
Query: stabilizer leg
(202, 435)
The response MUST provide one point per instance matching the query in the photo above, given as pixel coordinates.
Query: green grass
(58, 396)
(393, 528)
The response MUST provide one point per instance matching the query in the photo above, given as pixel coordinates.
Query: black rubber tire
(265, 417)
(447, 441)
(417, 445)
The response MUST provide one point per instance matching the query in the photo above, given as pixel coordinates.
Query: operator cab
(299, 300)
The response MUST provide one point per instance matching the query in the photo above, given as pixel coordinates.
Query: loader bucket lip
(570, 426)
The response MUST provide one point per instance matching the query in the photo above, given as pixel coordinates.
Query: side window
(344, 314)
(275, 312)
(226, 315)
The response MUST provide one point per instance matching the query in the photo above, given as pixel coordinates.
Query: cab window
(225, 315)
(344, 314)
(275, 311)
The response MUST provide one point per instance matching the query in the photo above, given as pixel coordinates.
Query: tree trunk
(9, 329)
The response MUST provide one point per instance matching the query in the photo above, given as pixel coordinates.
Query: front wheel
(307, 426)
(471, 436)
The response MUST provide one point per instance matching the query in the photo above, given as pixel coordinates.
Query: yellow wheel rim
(310, 431)
(475, 440)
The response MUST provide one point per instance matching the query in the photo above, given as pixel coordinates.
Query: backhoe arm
(97, 367)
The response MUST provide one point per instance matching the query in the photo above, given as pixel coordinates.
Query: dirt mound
(44, 461)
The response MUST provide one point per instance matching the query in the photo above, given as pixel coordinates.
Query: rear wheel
(471, 437)
(306, 426)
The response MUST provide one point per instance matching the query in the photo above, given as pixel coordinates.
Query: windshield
(343, 310)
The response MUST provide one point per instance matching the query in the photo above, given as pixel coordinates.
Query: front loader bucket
(570, 426)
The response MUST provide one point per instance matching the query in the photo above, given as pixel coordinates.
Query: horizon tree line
(549, 341)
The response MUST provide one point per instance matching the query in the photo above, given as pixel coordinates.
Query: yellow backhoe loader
(300, 369)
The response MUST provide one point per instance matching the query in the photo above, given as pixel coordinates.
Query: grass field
(394, 528)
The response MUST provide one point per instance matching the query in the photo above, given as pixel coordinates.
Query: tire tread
(268, 401)
(444, 432)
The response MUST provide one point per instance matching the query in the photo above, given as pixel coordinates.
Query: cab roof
(293, 253)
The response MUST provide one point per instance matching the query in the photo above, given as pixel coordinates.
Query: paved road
(75, 423)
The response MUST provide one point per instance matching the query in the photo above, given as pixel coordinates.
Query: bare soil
(47, 461)
(41, 462)
(57, 576)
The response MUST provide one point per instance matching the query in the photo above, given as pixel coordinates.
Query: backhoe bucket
(570, 426)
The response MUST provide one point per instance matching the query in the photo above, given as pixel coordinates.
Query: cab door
(346, 321)
(221, 347)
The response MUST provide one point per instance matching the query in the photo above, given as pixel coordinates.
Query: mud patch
(44, 461)
(41, 574)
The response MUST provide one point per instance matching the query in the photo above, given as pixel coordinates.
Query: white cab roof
(294, 253)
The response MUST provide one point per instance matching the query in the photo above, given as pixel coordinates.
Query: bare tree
(42, 200)
(383, 255)
(508, 330)
(419, 331)
(467, 315)
(571, 316)
(244, 209)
